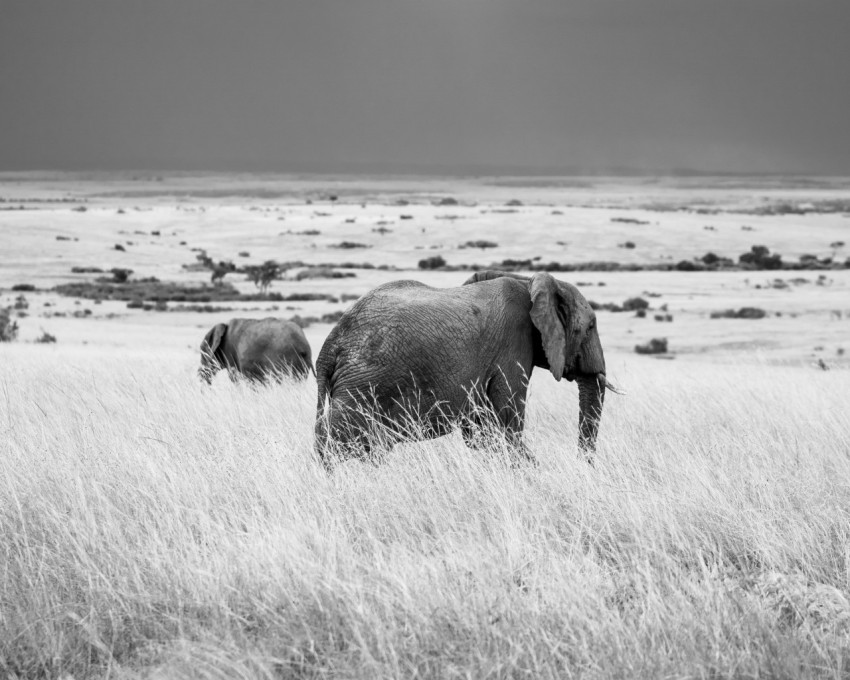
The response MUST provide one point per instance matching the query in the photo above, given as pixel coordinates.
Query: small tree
(221, 270)
(120, 274)
(263, 275)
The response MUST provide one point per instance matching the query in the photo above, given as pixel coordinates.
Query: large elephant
(440, 355)
(256, 348)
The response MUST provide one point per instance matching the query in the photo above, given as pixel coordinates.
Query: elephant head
(212, 356)
(568, 344)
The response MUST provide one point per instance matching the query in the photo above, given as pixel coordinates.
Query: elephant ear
(550, 317)
(212, 341)
(491, 274)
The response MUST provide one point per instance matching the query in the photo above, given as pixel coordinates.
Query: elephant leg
(345, 430)
(509, 407)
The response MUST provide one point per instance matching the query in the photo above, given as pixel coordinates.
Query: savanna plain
(156, 527)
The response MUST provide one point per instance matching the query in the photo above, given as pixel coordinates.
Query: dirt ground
(51, 222)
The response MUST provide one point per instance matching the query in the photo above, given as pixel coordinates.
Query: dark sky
(289, 85)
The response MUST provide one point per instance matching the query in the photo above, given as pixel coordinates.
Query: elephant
(257, 349)
(446, 357)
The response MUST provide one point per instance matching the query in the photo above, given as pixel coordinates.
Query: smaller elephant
(258, 349)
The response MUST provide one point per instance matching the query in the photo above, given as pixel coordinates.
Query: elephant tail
(323, 373)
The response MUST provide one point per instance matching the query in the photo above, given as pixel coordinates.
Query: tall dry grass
(153, 527)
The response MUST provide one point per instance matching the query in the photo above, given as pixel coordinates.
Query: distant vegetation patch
(742, 313)
(348, 245)
(654, 346)
(434, 262)
(323, 273)
(153, 291)
(760, 257)
(23, 288)
(306, 232)
(628, 220)
(826, 206)
(635, 303)
(480, 243)
(8, 326)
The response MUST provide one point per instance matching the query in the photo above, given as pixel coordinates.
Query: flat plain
(157, 528)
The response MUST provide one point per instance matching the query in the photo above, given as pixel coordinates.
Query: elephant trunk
(591, 395)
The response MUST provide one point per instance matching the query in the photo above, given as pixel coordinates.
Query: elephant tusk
(611, 387)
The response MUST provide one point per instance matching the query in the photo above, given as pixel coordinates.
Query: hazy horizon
(429, 87)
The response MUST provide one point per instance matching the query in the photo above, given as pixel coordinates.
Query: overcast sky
(332, 85)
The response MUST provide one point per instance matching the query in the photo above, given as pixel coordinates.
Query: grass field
(153, 527)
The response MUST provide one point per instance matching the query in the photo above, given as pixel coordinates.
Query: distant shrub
(120, 274)
(759, 257)
(514, 203)
(640, 314)
(605, 306)
(434, 262)
(689, 266)
(45, 337)
(63, 238)
(220, 270)
(118, 246)
(244, 253)
(263, 275)
(479, 244)
(447, 201)
(663, 317)
(634, 304)
(8, 326)
(742, 313)
(305, 297)
(405, 217)
(348, 245)
(654, 346)
(210, 309)
(323, 273)
(23, 288)
(626, 244)
(134, 304)
(628, 220)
